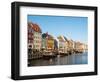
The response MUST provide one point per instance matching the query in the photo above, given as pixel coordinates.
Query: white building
(37, 40)
(37, 36)
(62, 44)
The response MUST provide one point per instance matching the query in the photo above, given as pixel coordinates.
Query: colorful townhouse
(37, 36)
(47, 42)
(79, 47)
(50, 42)
(62, 44)
(30, 36)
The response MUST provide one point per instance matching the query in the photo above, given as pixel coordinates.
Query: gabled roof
(46, 35)
(60, 38)
(35, 27)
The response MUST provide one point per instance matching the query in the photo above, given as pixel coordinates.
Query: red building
(30, 35)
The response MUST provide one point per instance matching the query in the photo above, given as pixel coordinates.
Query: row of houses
(34, 36)
(39, 41)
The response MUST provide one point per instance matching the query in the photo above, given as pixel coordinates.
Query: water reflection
(80, 58)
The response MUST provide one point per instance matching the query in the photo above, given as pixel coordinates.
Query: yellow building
(50, 42)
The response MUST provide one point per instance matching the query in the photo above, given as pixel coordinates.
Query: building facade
(44, 41)
(34, 40)
(47, 42)
(70, 45)
(56, 44)
(80, 47)
(30, 40)
(36, 36)
(30, 36)
(62, 44)
(50, 42)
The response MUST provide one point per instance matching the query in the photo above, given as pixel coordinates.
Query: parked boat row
(48, 54)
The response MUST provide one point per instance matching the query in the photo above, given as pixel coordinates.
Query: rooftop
(46, 35)
(34, 26)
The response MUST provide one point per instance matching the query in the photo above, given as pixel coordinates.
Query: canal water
(73, 59)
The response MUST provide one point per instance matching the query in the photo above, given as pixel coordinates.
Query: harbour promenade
(51, 54)
(65, 59)
(44, 45)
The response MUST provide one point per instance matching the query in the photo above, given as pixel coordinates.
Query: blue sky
(75, 28)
